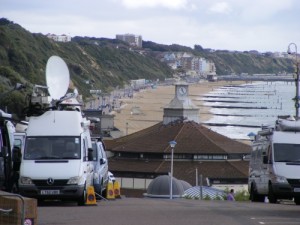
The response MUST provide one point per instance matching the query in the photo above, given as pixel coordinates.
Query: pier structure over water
(258, 77)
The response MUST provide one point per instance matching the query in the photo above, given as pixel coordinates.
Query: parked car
(100, 166)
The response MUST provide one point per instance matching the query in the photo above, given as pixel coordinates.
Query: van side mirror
(90, 154)
(265, 159)
(102, 161)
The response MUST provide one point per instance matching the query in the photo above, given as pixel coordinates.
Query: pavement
(156, 211)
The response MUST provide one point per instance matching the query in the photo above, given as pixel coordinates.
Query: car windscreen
(52, 148)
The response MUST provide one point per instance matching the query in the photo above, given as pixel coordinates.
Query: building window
(210, 157)
(178, 156)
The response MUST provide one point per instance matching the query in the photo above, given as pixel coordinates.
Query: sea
(239, 110)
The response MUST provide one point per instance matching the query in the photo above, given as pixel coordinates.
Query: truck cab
(274, 169)
(57, 162)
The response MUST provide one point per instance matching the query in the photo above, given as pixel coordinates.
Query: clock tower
(181, 91)
(181, 107)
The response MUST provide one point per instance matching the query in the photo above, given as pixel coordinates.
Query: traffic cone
(91, 198)
(117, 190)
(110, 194)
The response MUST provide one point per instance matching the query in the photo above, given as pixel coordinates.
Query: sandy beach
(146, 107)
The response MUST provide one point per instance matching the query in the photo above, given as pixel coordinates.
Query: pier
(258, 77)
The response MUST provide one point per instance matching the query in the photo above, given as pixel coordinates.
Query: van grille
(294, 182)
(44, 182)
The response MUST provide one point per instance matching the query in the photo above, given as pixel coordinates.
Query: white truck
(274, 169)
(57, 161)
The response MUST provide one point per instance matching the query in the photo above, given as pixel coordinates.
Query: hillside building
(133, 40)
(59, 38)
(189, 62)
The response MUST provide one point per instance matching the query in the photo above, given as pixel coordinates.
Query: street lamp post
(297, 77)
(172, 145)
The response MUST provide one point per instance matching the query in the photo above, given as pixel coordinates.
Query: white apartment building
(133, 40)
(189, 62)
(59, 38)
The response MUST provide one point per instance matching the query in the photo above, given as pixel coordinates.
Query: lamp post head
(289, 51)
(172, 144)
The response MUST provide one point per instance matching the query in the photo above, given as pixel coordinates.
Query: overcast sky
(263, 25)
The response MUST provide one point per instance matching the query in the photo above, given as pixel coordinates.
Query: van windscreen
(286, 152)
(52, 148)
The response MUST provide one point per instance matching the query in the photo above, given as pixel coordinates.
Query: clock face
(182, 91)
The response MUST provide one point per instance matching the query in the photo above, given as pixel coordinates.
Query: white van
(274, 169)
(57, 161)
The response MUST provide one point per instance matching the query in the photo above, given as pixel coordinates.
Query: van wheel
(99, 191)
(81, 201)
(104, 191)
(271, 195)
(254, 196)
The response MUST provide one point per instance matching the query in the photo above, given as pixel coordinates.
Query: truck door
(103, 163)
(267, 167)
(6, 142)
(88, 165)
(259, 169)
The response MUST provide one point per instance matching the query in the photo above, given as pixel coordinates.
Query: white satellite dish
(57, 77)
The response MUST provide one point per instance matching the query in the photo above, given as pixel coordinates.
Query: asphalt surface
(145, 211)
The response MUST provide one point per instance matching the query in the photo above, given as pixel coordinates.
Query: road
(142, 211)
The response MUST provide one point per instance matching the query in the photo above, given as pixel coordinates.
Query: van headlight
(280, 179)
(25, 180)
(76, 180)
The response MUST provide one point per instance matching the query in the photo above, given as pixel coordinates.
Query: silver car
(100, 167)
